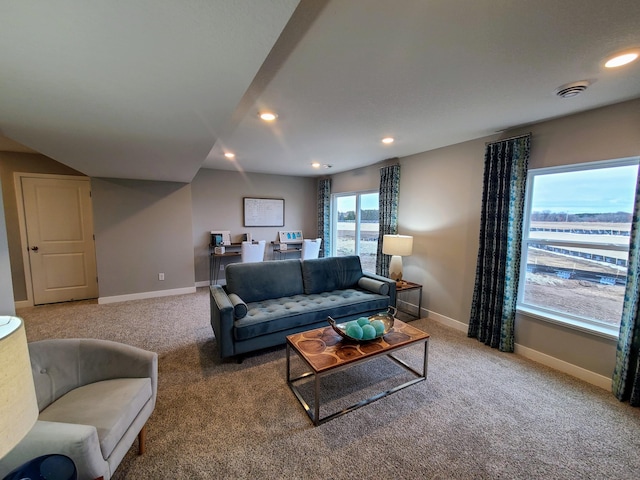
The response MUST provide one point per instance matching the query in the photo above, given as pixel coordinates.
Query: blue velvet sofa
(264, 302)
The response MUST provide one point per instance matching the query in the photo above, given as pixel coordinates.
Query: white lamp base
(395, 268)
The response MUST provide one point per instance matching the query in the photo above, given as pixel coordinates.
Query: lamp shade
(401, 245)
(18, 403)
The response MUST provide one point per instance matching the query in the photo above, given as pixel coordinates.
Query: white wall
(142, 228)
(440, 203)
(7, 306)
(217, 199)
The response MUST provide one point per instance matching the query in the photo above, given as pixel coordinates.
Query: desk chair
(253, 252)
(310, 248)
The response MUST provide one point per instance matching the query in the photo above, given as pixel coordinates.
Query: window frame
(561, 318)
(334, 217)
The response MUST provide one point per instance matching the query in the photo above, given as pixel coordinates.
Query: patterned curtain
(324, 217)
(388, 212)
(626, 374)
(494, 296)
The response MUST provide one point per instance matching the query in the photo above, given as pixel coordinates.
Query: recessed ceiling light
(315, 165)
(388, 140)
(268, 116)
(621, 59)
(230, 155)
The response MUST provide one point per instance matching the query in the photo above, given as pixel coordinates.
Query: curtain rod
(509, 138)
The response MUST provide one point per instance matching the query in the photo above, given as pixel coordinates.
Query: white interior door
(59, 227)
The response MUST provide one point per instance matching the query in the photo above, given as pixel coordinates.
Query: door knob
(35, 249)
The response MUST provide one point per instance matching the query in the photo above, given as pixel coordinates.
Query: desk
(215, 259)
(292, 247)
(282, 254)
(233, 251)
(406, 287)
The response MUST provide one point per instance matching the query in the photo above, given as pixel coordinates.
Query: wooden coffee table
(325, 352)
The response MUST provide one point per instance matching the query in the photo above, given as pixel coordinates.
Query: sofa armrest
(79, 442)
(390, 282)
(60, 365)
(239, 306)
(222, 320)
(124, 361)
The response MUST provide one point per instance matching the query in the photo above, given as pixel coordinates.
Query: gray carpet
(480, 414)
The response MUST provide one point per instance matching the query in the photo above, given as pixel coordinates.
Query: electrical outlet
(222, 268)
(161, 276)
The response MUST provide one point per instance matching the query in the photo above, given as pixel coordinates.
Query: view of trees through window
(356, 227)
(576, 241)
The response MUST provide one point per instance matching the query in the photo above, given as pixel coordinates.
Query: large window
(355, 227)
(576, 242)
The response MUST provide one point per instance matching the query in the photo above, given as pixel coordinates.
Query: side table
(405, 286)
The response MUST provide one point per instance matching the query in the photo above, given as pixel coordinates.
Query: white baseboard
(564, 367)
(145, 295)
(539, 357)
(206, 283)
(22, 304)
(449, 322)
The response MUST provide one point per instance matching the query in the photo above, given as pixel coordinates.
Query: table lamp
(18, 402)
(397, 246)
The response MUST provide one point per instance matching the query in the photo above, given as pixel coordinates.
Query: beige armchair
(94, 398)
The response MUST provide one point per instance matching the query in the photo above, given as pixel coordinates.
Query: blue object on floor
(46, 467)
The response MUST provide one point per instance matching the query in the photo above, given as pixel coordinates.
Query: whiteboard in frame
(263, 212)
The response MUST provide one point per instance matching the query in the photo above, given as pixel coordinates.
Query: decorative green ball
(379, 326)
(368, 332)
(351, 323)
(363, 321)
(354, 331)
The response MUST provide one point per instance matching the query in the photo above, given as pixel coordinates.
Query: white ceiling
(156, 89)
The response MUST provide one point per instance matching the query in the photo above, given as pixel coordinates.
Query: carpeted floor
(481, 414)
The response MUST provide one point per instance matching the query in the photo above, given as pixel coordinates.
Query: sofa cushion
(286, 313)
(111, 406)
(254, 282)
(330, 273)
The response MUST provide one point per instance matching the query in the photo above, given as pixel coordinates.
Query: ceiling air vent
(572, 89)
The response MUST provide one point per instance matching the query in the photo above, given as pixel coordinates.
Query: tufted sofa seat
(264, 302)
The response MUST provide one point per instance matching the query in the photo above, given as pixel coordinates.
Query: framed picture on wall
(263, 212)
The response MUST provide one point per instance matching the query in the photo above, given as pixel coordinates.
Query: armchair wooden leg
(142, 436)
